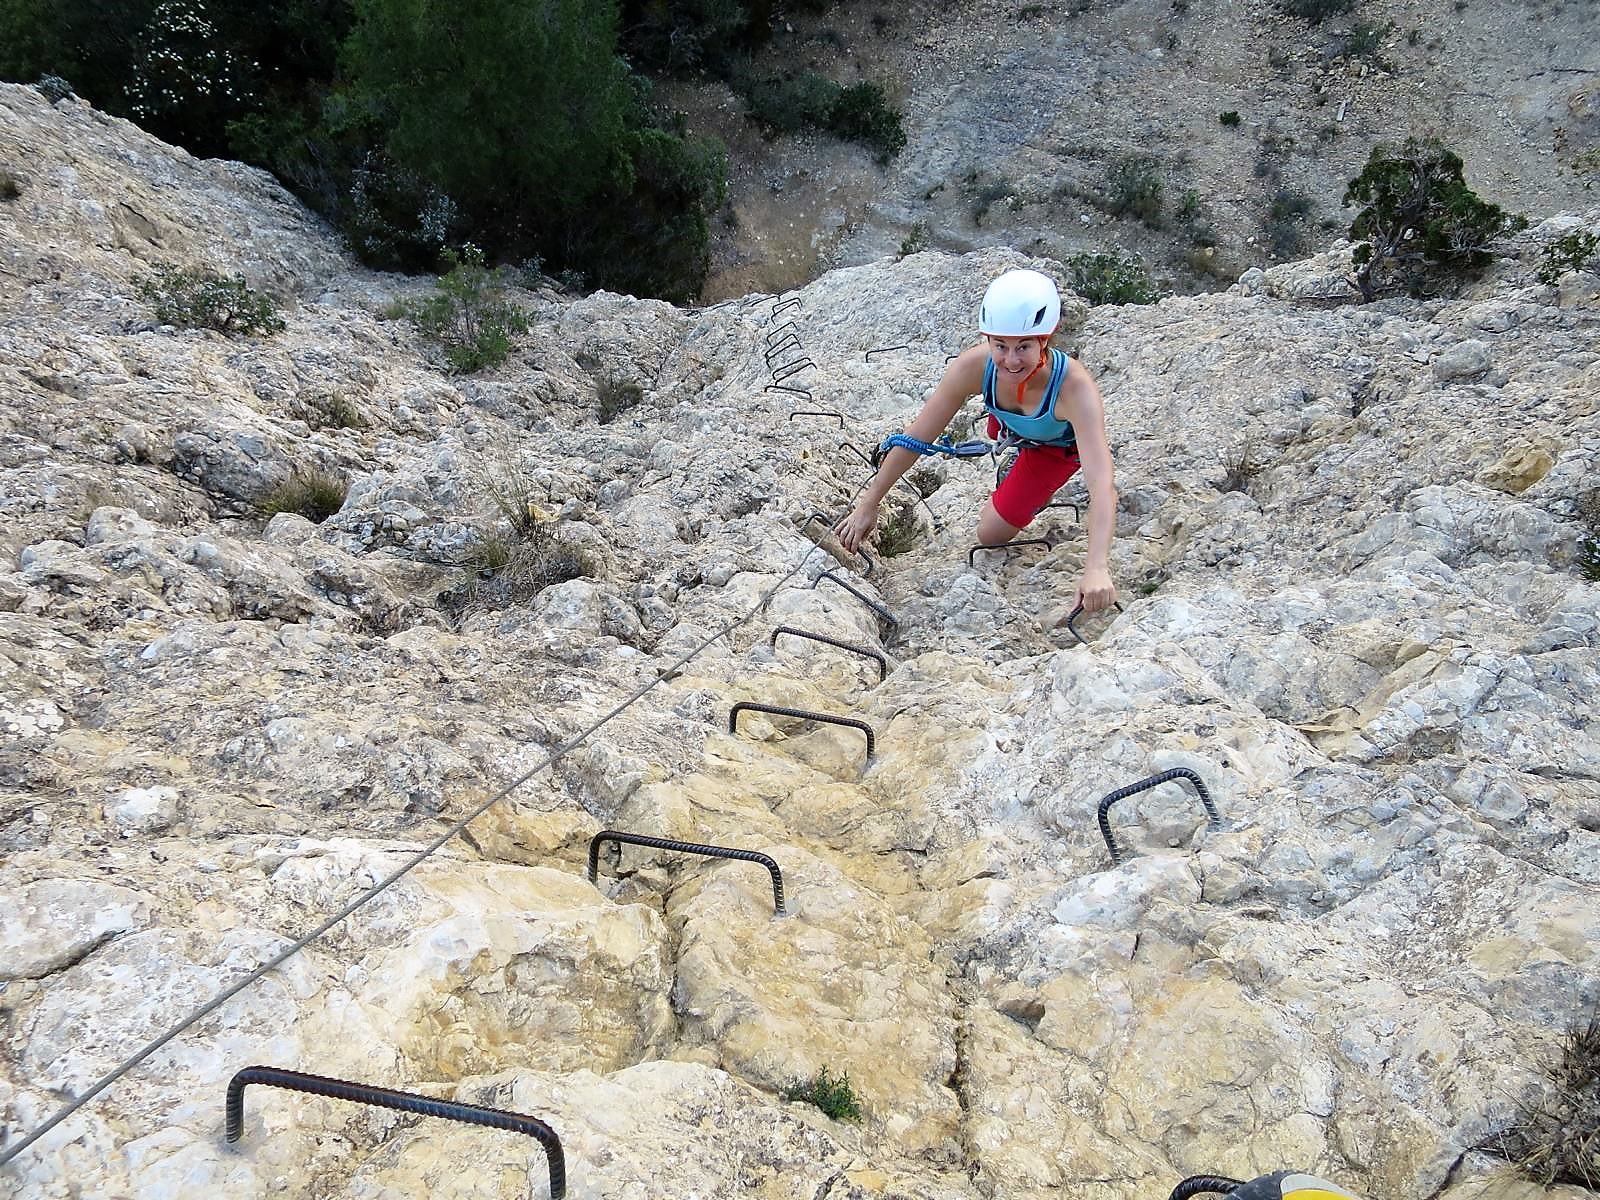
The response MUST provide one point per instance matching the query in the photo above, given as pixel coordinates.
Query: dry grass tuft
(1555, 1138)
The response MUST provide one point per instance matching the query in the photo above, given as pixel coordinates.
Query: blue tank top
(1043, 427)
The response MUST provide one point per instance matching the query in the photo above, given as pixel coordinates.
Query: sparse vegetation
(916, 240)
(899, 533)
(1114, 278)
(202, 299)
(1238, 469)
(835, 1097)
(989, 195)
(313, 493)
(1286, 221)
(1555, 1138)
(1133, 185)
(1316, 11)
(810, 100)
(1418, 218)
(10, 187)
(53, 88)
(506, 569)
(615, 397)
(1587, 163)
(332, 410)
(1568, 252)
(1229, 118)
(1364, 41)
(468, 315)
(1589, 539)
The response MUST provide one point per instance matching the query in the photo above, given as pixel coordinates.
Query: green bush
(790, 103)
(1363, 41)
(468, 315)
(810, 100)
(916, 240)
(10, 186)
(314, 494)
(1555, 1137)
(862, 114)
(835, 1097)
(1418, 218)
(1133, 185)
(202, 299)
(1229, 118)
(900, 533)
(1316, 11)
(1567, 253)
(1111, 279)
(1286, 221)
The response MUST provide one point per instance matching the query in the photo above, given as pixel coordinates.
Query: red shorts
(1035, 477)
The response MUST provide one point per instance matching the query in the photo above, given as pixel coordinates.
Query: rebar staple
(427, 1106)
(864, 651)
(658, 843)
(780, 710)
(1182, 774)
(1196, 1184)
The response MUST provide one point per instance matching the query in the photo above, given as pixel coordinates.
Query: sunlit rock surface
(1374, 644)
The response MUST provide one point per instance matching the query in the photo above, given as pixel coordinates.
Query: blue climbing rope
(943, 446)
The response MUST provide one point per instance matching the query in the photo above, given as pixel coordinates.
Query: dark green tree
(518, 110)
(1418, 218)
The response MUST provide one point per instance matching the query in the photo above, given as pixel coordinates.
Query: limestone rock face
(1353, 548)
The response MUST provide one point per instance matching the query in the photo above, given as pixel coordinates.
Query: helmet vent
(1038, 317)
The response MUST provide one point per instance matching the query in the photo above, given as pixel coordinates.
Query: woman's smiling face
(1015, 357)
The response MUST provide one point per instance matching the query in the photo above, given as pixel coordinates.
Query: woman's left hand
(1095, 590)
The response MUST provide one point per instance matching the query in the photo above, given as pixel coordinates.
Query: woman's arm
(962, 378)
(1081, 404)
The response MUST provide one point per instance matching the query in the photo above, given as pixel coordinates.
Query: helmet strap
(1022, 401)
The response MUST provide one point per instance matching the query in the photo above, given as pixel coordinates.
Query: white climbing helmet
(1020, 304)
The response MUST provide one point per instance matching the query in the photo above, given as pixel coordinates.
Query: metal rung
(782, 346)
(817, 412)
(427, 1106)
(780, 710)
(781, 387)
(861, 554)
(1078, 612)
(864, 651)
(777, 329)
(657, 843)
(780, 306)
(972, 553)
(883, 613)
(1181, 774)
(885, 350)
(779, 374)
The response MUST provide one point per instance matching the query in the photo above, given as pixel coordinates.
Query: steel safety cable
(8, 1153)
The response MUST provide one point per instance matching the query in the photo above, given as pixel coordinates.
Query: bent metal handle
(1004, 546)
(1182, 774)
(847, 722)
(1078, 612)
(427, 1106)
(864, 651)
(1197, 1185)
(883, 613)
(655, 843)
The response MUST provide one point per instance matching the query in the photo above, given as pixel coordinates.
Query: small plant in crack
(834, 1096)
(1238, 469)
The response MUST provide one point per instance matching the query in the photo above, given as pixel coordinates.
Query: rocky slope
(218, 729)
(1016, 115)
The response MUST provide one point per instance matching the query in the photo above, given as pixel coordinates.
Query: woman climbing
(1041, 398)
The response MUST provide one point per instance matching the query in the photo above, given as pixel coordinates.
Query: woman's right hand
(854, 526)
